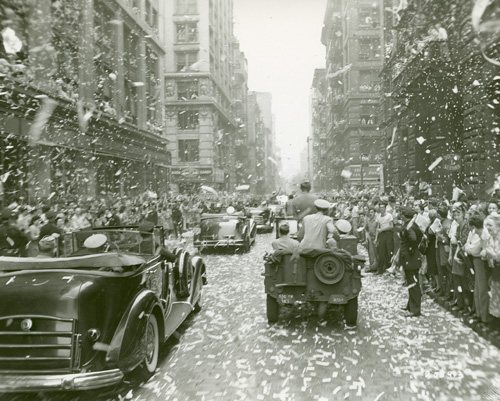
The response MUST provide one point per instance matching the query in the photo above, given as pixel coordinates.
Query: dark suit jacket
(409, 256)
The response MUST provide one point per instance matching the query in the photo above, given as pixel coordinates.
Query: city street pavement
(228, 351)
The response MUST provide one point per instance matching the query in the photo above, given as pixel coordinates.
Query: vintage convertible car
(263, 219)
(229, 230)
(320, 276)
(81, 321)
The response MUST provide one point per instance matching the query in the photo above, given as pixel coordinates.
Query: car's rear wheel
(273, 309)
(150, 362)
(351, 312)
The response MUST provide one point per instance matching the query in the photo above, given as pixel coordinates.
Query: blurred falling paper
(346, 173)
(395, 129)
(11, 43)
(273, 161)
(41, 119)
(435, 163)
(208, 189)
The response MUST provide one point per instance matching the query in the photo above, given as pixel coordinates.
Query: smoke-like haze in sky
(282, 41)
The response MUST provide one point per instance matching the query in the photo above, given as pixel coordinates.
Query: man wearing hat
(147, 246)
(47, 246)
(409, 258)
(12, 241)
(93, 244)
(303, 204)
(284, 242)
(52, 228)
(316, 228)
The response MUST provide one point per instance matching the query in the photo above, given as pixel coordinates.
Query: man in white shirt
(284, 242)
(384, 239)
(317, 228)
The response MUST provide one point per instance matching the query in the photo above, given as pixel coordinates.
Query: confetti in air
(11, 43)
(41, 119)
(346, 173)
(435, 163)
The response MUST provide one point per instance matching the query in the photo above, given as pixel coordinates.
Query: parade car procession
(84, 320)
(232, 230)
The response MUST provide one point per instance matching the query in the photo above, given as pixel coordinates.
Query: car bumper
(219, 243)
(79, 381)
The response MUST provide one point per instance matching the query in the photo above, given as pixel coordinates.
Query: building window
(188, 119)
(369, 48)
(189, 150)
(187, 32)
(130, 59)
(186, 7)
(152, 84)
(368, 81)
(369, 16)
(368, 114)
(184, 60)
(187, 90)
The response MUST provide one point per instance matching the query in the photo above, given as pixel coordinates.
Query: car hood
(40, 293)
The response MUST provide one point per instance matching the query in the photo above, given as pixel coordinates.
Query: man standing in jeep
(303, 204)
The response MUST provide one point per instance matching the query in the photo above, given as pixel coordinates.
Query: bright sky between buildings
(282, 41)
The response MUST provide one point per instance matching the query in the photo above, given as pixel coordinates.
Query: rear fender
(197, 279)
(127, 348)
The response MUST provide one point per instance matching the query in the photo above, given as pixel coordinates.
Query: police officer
(12, 241)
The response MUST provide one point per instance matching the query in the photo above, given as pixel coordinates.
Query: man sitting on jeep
(284, 242)
(317, 230)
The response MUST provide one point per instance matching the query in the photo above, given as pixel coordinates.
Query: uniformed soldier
(318, 230)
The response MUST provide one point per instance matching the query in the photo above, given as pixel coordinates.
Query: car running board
(176, 316)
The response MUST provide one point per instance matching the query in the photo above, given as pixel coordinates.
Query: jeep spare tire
(329, 269)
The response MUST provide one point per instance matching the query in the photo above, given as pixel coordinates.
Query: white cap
(322, 204)
(95, 241)
(344, 226)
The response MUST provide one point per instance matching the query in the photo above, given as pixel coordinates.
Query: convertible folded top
(111, 259)
(208, 216)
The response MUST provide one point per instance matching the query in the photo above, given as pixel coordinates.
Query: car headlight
(93, 334)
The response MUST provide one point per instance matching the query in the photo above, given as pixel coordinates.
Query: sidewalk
(492, 336)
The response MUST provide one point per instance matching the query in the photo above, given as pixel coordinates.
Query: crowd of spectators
(25, 224)
(456, 246)
(458, 240)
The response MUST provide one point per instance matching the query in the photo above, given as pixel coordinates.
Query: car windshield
(123, 240)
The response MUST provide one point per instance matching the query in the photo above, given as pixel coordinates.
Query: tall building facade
(441, 96)
(240, 93)
(200, 121)
(353, 34)
(265, 160)
(321, 162)
(81, 111)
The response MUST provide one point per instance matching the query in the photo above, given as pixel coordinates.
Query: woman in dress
(459, 232)
(491, 253)
(476, 242)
